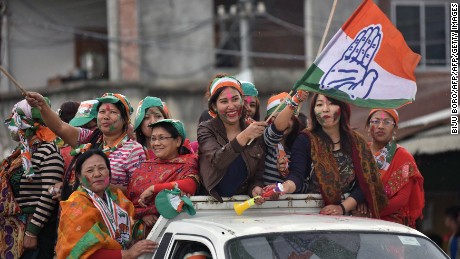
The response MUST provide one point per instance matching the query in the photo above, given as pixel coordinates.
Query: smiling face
(95, 174)
(326, 112)
(164, 146)
(152, 115)
(381, 127)
(229, 106)
(109, 119)
(250, 103)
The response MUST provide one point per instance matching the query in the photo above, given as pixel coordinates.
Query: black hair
(140, 137)
(346, 133)
(174, 133)
(303, 119)
(204, 116)
(297, 127)
(68, 110)
(453, 212)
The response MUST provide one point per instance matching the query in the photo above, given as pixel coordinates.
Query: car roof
(256, 223)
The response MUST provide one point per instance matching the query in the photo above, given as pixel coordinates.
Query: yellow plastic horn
(243, 206)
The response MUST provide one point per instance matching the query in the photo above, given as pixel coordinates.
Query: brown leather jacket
(216, 153)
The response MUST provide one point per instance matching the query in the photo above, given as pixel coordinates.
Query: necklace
(118, 143)
(335, 143)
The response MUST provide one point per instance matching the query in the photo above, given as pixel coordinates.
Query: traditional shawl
(399, 170)
(28, 123)
(364, 166)
(82, 230)
(157, 171)
(12, 225)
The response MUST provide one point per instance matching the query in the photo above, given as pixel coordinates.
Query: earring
(394, 136)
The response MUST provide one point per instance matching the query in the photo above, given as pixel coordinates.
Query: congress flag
(366, 63)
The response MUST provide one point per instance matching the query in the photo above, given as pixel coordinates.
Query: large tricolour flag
(366, 63)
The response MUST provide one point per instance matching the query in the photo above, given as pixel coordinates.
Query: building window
(424, 27)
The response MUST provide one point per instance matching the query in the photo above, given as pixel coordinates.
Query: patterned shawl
(396, 173)
(365, 168)
(157, 171)
(12, 226)
(82, 230)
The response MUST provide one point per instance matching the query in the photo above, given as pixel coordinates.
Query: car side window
(163, 247)
(190, 249)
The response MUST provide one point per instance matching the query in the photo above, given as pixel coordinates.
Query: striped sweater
(272, 137)
(34, 197)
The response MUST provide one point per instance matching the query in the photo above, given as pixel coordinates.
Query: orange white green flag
(366, 63)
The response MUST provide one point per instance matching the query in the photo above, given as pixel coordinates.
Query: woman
(251, 100)
(96, 220)
(280, 135)
(402, 181)
(173, 165)
(335, 160)
(27, 211)
(113, 118)
(228, 165)
(149, 110)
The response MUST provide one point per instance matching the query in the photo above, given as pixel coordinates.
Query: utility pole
(113, 44)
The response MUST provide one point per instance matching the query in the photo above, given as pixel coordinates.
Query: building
(170, 49)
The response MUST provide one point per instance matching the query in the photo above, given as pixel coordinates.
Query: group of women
(107, 190)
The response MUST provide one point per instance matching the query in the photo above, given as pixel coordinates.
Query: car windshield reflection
(342, 245)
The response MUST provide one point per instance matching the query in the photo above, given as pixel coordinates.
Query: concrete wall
(178, 42)
(40, 38)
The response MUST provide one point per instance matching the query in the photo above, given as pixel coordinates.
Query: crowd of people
(88, 180)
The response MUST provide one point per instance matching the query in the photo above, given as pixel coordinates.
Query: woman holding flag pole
(336, 161)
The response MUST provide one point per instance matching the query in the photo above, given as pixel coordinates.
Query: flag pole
(16, 83)
(326, 30)
(328, 24)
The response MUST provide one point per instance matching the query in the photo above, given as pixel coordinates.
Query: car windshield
(332, 245)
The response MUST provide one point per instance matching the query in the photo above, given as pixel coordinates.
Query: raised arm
(282, 120)
(65, 131)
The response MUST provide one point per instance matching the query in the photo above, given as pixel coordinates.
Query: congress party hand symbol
(351, 73)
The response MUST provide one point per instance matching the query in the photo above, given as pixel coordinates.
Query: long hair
(344, 124)
(140, 137)
(257, 113)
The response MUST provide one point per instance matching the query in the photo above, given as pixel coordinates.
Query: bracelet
(29, 235)
(291, 104)
(344, 212)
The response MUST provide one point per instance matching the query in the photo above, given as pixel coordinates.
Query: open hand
(351, 73)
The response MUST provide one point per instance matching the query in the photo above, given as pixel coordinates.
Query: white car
(288, 228)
